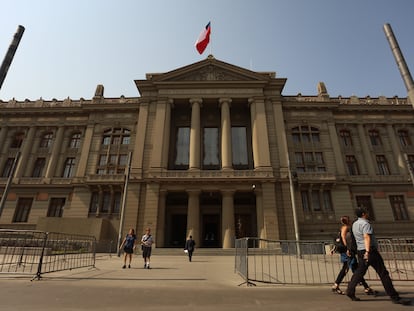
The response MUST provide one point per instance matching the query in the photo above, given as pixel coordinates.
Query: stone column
(193, 215)
(365, 150)
(86, 146)
(141, 129)
(54, 157)
(226, 147)
(161, 218)
(339, 160)
(167, 125)
(195, 136)
(158, 136)
(260, 140)
(24, 157)
(227, 225)
(395, 146)
(260, 215)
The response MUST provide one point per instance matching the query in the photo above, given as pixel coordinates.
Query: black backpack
(351, 242)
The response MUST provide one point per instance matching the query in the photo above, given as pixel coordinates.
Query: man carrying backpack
(368, 255)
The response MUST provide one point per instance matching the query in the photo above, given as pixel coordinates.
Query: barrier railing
(311, 262)
(36, 252)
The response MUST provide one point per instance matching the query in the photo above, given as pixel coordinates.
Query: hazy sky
(69, 47)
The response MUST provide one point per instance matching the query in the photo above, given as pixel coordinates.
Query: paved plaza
(174, 283)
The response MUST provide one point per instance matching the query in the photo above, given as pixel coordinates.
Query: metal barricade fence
(37, 252)
(311, 262)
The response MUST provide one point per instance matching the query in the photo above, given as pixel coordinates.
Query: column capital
(227, 192)
(196, 100)
(193, 192)
(225, 100)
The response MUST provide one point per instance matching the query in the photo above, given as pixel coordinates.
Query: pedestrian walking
(128, 245)
(189, 247)
(146, 244)
(348, 259)
(368, 255)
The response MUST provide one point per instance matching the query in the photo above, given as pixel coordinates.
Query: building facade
(210, 150)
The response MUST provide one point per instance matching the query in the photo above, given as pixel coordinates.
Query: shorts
(146, 252)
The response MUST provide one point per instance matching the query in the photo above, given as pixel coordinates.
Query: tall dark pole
(402, 65)
(10, 54)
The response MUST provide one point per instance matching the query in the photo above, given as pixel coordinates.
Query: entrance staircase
(198, 251)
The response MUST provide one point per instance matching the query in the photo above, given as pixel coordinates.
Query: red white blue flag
(203, 39)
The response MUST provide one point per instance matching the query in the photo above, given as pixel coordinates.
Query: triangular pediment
(210, 69)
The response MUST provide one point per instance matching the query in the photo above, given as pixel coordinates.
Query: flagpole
(211, 44)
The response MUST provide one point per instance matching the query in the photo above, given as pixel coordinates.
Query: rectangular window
(296, 138)
(113, 159)
(117, 202)
(346, 137)
(374, 138)
(7, 167)
(211, 158)
(305, 201)
(116, 140)
(56, 206)
(327, 201)
(365, 201)
(239, 147)
(182, 147)
(123, 159)
(93, 207)
(69, 168)
(382, 165)
(404, 138)
(126, 140)
(316, 201)
(352, 165)
(410, 163)
(106, 203)
(106, 140)
(38, 167)
(102, 159)
(22, 211)
(399, 208)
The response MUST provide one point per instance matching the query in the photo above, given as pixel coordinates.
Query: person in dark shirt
(128, 244)
(189, 247)
(368, 255)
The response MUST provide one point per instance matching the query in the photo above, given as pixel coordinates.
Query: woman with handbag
(348, 259)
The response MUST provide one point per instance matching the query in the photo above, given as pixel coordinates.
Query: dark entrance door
(178, 229)
(211, 231)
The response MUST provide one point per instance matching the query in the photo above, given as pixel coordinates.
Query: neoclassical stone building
(215, 151)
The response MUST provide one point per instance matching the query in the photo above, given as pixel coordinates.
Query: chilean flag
(203, 39)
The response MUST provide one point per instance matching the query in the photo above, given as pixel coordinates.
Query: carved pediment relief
(210, 73)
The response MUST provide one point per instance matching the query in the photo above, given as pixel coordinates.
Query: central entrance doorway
(210, 206)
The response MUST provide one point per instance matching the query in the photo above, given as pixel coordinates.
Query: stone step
(198, 251)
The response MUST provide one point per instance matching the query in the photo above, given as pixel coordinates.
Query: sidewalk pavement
(173, 283)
